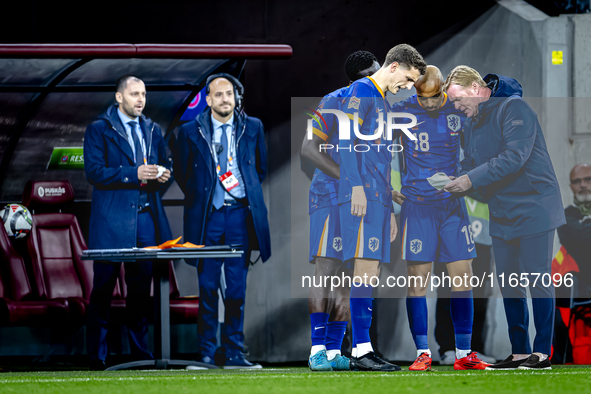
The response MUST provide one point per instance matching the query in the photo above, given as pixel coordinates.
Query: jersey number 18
(422, 142)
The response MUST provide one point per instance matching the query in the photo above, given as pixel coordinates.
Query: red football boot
(422, 363)
(471, 361)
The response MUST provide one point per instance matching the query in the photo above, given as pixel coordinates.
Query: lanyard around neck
(231, 145)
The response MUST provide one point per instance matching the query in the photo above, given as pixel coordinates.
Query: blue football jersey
(437, 148)
(324, 189)
(369, 166)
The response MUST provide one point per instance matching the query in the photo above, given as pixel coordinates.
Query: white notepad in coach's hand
(439, 180)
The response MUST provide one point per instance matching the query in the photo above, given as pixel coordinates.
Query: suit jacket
(195, 173)
(110, 168)
(508, 163)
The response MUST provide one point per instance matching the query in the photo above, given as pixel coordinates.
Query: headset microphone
(238, 87)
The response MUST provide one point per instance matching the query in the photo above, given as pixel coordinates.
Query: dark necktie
(139, 153)
(223, 156)
(139, 160)
(219, 195)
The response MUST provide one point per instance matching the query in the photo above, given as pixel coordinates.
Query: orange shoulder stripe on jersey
(359, 119)
(376, 85)
(444, 99)
(319, 133)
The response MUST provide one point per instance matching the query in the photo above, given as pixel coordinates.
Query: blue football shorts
(325, 234)
(366, 237)
(436, 232)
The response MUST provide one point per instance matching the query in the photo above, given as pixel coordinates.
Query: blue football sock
(361, 312)
(318, 324)
(334, 334)
(462, 315)
(418, 319)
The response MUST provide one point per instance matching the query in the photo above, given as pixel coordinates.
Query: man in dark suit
(507, 163)
(222, 160)
(125, 159)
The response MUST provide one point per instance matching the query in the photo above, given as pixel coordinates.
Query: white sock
(330, 354)
(462, 353)
(317, 348)
(421, 351)
(354, 352)
(363, 349)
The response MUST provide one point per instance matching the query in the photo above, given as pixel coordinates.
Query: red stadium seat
(18, 305)
(55, 246)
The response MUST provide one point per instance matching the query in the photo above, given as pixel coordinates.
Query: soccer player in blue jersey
(435, 225)
(329, 313)
(365, 195)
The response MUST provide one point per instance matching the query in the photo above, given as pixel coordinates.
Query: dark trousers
(138, 277)
(444, 328)
(225, 226)
(530, 255)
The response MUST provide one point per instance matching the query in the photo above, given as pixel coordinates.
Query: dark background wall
(322, 35)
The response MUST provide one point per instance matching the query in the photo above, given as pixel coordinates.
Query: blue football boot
(319, 362)
(340, 363)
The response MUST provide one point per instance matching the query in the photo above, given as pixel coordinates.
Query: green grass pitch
(573, 379)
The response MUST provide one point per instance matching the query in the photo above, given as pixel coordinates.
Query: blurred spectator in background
(575, 235)
(572, 330)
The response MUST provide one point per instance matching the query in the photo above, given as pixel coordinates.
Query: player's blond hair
(463, 76)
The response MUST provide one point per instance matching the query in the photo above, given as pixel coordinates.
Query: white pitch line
(293, 376)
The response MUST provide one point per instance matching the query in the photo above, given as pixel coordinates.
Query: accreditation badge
(229, 181)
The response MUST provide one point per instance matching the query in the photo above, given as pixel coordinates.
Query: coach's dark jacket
(110, 168)
(195, 173)
(508, 163)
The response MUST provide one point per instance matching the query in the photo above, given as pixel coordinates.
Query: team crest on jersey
(374, 244)
(354, 103)
(416, 245)
(453, 122)
(337, 244)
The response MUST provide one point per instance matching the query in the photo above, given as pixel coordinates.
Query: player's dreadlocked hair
(406, 56)
(358, 61)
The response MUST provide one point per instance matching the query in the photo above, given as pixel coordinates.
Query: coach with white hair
(507, 163)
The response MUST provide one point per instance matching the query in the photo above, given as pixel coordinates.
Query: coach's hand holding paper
(459, 185)
(439, 180)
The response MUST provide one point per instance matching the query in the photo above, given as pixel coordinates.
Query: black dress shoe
(371, 362)
(533, 362)
(97, 365)
(506, 364)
